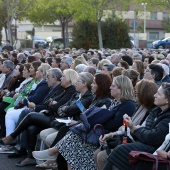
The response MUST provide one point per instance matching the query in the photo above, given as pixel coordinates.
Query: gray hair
(137, 55)
(87, 78)
(79, 68)
(38, 55)
(56, 72)
(9, 64)
(68, 60)
(21, 55)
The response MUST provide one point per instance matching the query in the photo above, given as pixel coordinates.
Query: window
(154, 15)
(154, 36)
(165, 15)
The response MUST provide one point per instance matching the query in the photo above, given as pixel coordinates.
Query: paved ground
(9, 164)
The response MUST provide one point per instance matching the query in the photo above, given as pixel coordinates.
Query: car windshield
(38, 38)
(166, 39)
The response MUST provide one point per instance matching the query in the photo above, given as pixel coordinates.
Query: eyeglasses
(48, 77)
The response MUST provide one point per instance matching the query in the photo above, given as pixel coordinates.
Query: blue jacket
(166, 79)
(37, 96)
(112, 119)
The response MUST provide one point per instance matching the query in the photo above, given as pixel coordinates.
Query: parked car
(58, 43)
(132, 42)
(50, 39)
(164, 43)
(38, 41)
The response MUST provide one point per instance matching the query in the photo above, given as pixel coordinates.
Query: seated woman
(146, 105)
(34, 122)
(35, 96)
(148, 138)
(78, 147)
(13, 84)
(101, 89)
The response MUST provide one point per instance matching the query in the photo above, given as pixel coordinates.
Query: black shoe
(2, 134)
(30, 163)
(18, 153)
(2, 142)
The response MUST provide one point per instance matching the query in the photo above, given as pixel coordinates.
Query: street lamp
(144, 5)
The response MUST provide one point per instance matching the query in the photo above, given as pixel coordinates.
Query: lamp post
(144, 6)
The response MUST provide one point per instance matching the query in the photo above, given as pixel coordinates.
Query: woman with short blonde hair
(71, 76)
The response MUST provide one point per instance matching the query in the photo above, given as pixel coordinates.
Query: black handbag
(114, 142)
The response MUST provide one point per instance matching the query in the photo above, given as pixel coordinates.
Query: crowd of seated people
(78, 100)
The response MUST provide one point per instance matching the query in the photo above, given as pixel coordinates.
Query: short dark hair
(150, 59)
(8, 41)
(128, 60)
(157, 70)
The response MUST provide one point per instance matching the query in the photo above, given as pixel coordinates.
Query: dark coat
(64, 97)
(95, 115)
(149, 138)
(72, 110)
(166, 79)
(101, 102)
(126, 107)
(37, 96)
(55, 91)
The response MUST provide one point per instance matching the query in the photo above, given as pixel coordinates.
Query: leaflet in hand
(63, 120)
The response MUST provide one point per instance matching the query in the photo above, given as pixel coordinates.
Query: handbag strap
(155, 164)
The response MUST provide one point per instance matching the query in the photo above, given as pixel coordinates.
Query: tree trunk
(9, 30)
(99, 34)
(66, 38)
(63, 33)
(5, 27)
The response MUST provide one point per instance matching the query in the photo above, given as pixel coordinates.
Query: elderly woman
(149, 137)
(77, 150)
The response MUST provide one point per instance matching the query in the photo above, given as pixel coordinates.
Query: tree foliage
(14, 9)
(166, 25)
(2, 19)
(114, 32)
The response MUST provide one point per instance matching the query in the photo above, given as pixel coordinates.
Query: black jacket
(72, 110)
(101, 102)
(52, 94)
(64, 97)
(149, 139)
